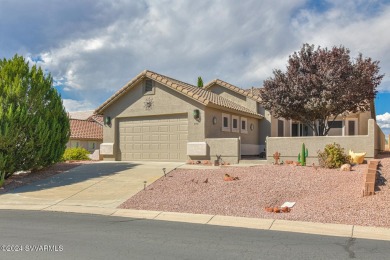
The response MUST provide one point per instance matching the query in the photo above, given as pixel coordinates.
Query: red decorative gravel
(322, 195)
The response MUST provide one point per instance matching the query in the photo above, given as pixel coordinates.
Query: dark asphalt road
(79, 236)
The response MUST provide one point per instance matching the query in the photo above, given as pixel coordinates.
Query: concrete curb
(339, 230)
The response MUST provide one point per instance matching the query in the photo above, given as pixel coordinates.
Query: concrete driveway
(102, 184)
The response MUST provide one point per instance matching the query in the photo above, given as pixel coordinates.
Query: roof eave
(234, 111)
(233, 88)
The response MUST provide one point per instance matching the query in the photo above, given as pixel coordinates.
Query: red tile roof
(97, 118)
(85, 129)
(245, 92)
(198, 94)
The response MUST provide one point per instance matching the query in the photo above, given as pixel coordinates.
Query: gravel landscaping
(321, 195)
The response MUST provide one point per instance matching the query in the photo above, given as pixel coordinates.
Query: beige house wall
(289, 147)
(388, 143)
(363, 119)
(215, 131)
(165, 102)
(229, 149)
(249, 139)
(380, 139)
(86, 144)
(252, 143)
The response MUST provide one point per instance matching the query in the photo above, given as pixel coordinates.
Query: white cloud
(75, 105)
(384, 122)
(93, 47)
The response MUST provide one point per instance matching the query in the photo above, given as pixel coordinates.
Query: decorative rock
(345, 167)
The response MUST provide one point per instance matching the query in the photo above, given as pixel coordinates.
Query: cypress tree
(34, 127)
(200, 82)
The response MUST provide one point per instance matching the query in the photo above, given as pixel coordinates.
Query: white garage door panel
(160, 138)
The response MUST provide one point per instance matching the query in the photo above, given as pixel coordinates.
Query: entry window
(235, 124)
(244, 125)
(148, 88)
(336, 128)
(351, 125)
(298, 129)
(280, 128)
(226, 122)
(294, 129)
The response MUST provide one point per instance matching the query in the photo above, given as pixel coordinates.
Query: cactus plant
(303, 155)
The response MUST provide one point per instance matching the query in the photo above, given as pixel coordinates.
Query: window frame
(342, 126)
(244, 119)
(283, 126)
(225, 128)
(347, 126)
(235, 129)
(152, 91)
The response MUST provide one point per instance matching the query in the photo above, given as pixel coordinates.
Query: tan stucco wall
(86, 144)
(215, 131)
(227, 148)
(289, 147)
(165, 101)
(363, 119)
(380, 144)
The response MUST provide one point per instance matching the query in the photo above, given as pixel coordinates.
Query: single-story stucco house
(155, 117)
(86, 130)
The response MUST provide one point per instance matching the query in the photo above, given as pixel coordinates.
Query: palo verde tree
(34, 127)
(321, 84)
(200, 82)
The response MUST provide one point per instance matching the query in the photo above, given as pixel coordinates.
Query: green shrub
(333, 156)
(77, 153)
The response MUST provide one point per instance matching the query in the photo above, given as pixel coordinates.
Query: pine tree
(34, 127)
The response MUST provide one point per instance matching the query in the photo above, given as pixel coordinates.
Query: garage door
(157, 138)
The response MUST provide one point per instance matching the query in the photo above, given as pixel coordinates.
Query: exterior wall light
(214, 120)
(107, 120)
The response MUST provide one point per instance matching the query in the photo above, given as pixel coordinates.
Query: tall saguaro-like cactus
(303, 155)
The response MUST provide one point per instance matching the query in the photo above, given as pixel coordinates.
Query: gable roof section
(255, 91)
(85, 129)
(244, 92)
(97, 118)
(200, 95)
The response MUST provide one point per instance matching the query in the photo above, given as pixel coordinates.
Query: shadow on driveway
(76, 175)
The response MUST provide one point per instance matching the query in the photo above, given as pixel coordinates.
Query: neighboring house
(86, 130)
(154, 117)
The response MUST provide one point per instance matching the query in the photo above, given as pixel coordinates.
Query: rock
(345, 167)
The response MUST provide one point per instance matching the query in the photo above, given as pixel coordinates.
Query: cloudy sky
(93, 47)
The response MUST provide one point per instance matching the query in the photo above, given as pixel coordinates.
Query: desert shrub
(333, 156)
(77, 153)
